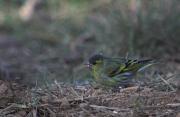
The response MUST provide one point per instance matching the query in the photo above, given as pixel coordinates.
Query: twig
(109, 108)
(52, 114)
(172, 76)
(7, 108)
(171, 105)
(166, 82)
(174, 105)
(73, 91)
(34, 112)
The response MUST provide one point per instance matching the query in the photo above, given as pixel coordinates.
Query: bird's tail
(146, 63)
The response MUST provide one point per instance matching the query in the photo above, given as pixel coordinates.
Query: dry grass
(63, 100)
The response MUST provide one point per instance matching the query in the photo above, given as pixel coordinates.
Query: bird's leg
(139, 83)
(139, 87)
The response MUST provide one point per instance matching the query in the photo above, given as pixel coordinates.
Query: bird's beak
(88, 65)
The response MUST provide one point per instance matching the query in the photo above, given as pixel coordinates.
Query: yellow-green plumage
(111, 72)
(100, 76)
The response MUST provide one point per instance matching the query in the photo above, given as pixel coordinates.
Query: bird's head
(96, 59)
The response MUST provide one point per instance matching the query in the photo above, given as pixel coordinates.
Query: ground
(60, 100)
(19, 99)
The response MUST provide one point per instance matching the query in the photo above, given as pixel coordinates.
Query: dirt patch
(61, 100)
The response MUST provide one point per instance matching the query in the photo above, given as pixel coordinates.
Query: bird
(111, 72)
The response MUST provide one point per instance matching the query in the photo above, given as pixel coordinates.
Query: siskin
(113, 72)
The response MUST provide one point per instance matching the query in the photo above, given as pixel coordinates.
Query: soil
(19, 97)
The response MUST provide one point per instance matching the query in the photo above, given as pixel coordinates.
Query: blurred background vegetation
(50, 39)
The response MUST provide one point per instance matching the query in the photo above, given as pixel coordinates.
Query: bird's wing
(128, 67)
(116, 60)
